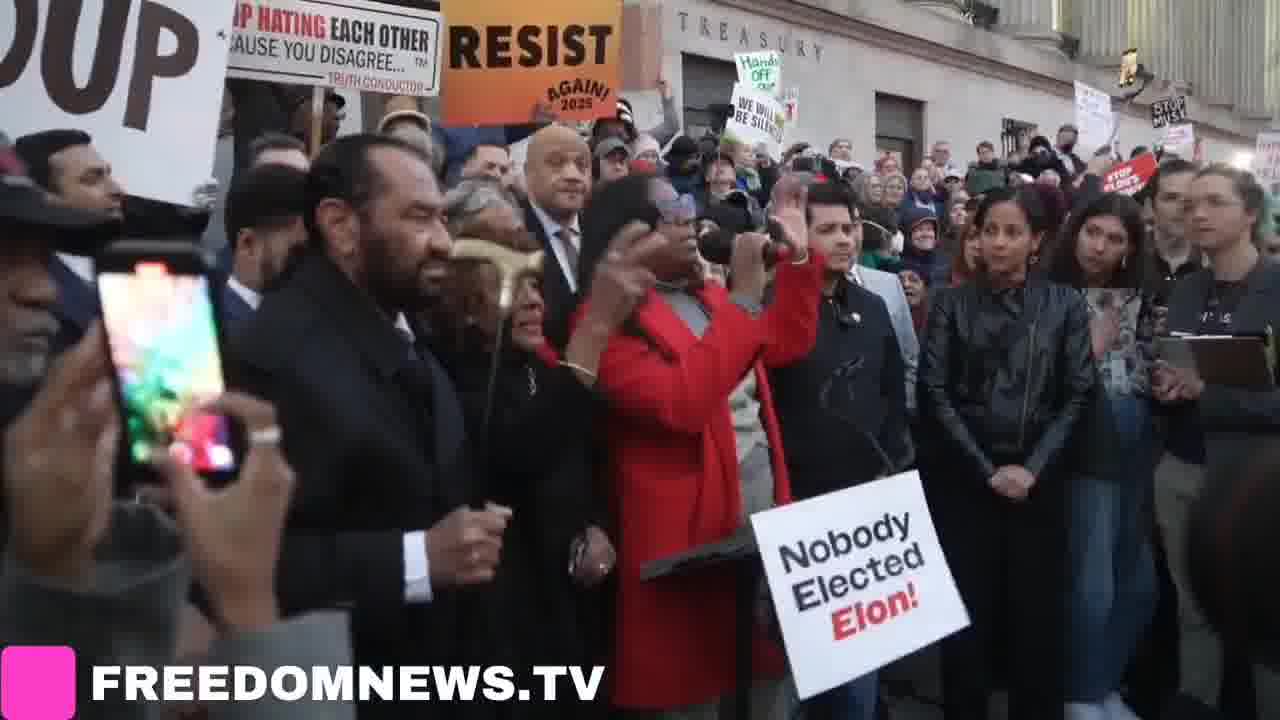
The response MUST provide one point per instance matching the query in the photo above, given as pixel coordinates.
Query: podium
(740, 552)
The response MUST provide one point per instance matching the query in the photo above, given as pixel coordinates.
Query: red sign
(1128, 178)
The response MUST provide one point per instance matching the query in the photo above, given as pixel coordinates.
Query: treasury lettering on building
(736, 34)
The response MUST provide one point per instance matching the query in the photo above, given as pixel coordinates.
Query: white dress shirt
(553, 229)
(417, 570)
(250, 296)
(81, 266)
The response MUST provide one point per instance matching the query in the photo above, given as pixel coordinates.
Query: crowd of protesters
(992, 326)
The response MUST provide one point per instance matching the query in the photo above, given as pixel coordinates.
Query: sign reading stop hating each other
(505, 59)
(356, 44)
(858, 580)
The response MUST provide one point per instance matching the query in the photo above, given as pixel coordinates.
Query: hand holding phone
(159, 308)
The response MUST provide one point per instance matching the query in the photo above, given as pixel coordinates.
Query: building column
(1030, 20)
(1249, 79)
(1272, 42)
(1103, 28)
(1156, 28)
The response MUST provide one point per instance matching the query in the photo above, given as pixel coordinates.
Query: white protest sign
(1094, 118)
(1180, 136)
(1266, 158)
(355, 44)
(144, 79)
(760, 70)
(758, 119)
(858, 580)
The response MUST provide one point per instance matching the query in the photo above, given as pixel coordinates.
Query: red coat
(673, 467)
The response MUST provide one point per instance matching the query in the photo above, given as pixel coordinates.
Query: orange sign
(504, 59)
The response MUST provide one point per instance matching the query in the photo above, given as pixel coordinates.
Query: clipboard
(1240, 361)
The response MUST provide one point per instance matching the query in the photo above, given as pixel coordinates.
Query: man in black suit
(65, 163)
(558, 175)
(264, 229)
(372, 424)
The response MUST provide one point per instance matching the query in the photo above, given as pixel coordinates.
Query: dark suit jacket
(556, 290)
(76, 309)
(377, 442)
(1236, 422)
(236, 313)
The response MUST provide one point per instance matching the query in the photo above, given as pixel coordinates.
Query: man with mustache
(558, 173)
(372, 424)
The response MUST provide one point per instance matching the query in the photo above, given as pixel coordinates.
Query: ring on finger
(268, 436)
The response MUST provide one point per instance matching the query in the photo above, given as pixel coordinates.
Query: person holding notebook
(1214, 427)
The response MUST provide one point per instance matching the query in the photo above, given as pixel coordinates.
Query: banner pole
(317, 119)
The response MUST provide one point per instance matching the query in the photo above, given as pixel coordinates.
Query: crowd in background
(991, 325)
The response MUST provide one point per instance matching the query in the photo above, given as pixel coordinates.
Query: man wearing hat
(612, 160)
(622, 125)
(684, 165)
(32, 227)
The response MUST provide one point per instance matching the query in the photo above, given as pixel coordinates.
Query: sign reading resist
(1169, 111)
(858, 580)
(355, 44)
(507, 59)
(144, 78)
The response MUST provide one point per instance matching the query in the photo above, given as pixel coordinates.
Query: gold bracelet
(579, 368)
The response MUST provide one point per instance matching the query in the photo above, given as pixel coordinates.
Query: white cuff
(417, 571)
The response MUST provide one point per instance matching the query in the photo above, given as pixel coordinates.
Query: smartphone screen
(164, 348)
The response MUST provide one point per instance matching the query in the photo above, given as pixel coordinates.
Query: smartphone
(160, 312)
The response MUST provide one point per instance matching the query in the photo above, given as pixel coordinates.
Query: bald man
(558, 176)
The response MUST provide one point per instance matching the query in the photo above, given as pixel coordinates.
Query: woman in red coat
(675, 449)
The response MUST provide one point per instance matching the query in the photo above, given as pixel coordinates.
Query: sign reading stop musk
(354, 44)
(143, 77)
(858, 580)
(503, 59)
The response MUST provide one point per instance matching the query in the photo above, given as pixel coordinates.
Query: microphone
(717, 248)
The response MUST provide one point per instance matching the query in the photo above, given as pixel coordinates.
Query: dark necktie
(570, 250)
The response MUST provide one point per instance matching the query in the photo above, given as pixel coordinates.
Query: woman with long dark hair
(1006, 374)
(1112, 575)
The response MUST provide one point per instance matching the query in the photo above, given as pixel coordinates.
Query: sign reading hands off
(143, 77)
(504, 59)
(858, 580)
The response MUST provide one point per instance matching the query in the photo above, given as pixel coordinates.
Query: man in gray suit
(108, 579)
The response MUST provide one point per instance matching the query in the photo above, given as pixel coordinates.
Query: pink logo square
(37, 683)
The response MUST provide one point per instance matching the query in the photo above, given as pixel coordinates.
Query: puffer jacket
(1015, 396)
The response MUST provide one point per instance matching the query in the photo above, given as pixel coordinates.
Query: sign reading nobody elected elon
(504, 59)
(858, 580)
(355, 44)
(143, 77)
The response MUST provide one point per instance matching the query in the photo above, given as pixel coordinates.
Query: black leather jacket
(998, 386)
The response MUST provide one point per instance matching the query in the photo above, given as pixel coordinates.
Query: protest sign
(1130, 177)
(504, 60)
(1179, 136)
(1266, 158)
(791, 104)
(144, 79)
(1093, 118)
(760, 70)
(1169, 111)
(858, 580)
(758, 119)
(356, 44)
